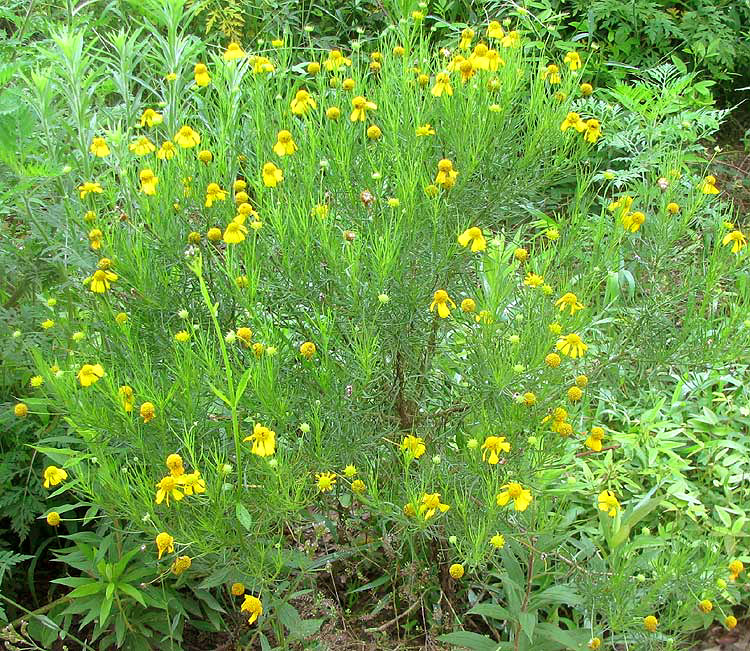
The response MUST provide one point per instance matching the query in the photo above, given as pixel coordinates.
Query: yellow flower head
(285, 145)
(468, 305)
(374, 132)
(466, 36)
(54, 476)
(632, 221)
(233, 52)
(413, 446)
(253, 606)
(425, 130)
(494, 445)
(552, 74)
(709, 185)
(89, 374)
(573, 120)
(593, 131)
(333, 113)
(272, 175)
(148, 411)
(164, 543)
(181, 564)
(495, 30)
(53, 519)
(142, 146)
(358, 486)
(350, 471)
(441, 300)
(99, 147)
(200, 72)
(574, 394)
(89, 187)
(446, 176)
(474, 236)
(21, 410)
(497, 541)
(325, 481)
(214, 193)
(594, 643)
(552, 360)
(303, 103)
(514, 491)
(101, 281)
(194, 484)
(456, 571)
(594, 441)
(571, 345)
(650, 623)
(167, 151)
(148, 181)
(569, 300)
(151, 118)
(730, 622)
(522, 255)
(431, 504)
(586, 89)
(169, 487)
(264, 440)
(608, 502)
(705, 606)
(737, 239)
(360, 106)
(736, 568)
(533, 280)
(442, 84)
(307, 350)
(336, 61)
(235, 232)
(573, 60)
(186, 137)
(238, 589)
(174, 464)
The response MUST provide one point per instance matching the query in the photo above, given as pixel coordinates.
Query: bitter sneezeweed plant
(373, 293)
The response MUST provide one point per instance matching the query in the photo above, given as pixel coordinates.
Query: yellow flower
(409, 510)
(284, 146)
(164, 543)
(205, 156)
(374, 132)
(473, 235)
(594, 441)
(99, 147)
(413, 445)
(593, 131)
(99, 283)
(633, 221)
(360, 107)
(325, 481)
(495, 30)
(552, 74)
(49, 323)
(214, 234)
(237, 589)
(321, 210)
(350, 471)
(148, 411)
(650, 623)
(272, 175)
(174, 464)
(569, 300)
(737, 239)
(151, 118)
(21, 410)
(730, 622)
(582, 381)
(303, 103)
(333, 113)
(54, 476)
(121, 318)
(200, 72)
(313, 68)
(522, 255)
(214, 193)
(142, 146)
(277, 42)
(53, 519)
(705, 606)
(608, 502)
(89, 187)
(430, 504)
(36, 381)
(186, 137)
(571, 345)
(167, 151)
(399, 50)
(442, 301)
(89, 374)
(497, 541)
(182, 336)
(261, 65)
(307, 350)
(168, 487)
(425, 130)
(252, 605)
(511, 39)
(244, 335)
(235, 232)
(264, 440)
(573, 120)
(466, 37)
(336, 61)
(456, 571)
(358, 486)
(574, 394)
(514, 491)
(736, 568)
(552, 360)
(586, 89)
(494, 445)
(442, 85)
(673, 208)
(233, 52)
(446, 176)
(533, 280)
(594, 643)
(573, 60)
(709, 185)
(181, 564)
(194, 484)
(468, 305)
(127, 398)
(148, 182)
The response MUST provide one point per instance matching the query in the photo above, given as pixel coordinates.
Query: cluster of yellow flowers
(178, 483)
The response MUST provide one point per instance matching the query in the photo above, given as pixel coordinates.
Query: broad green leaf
(471, 641)
(244, 517)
